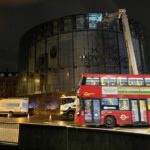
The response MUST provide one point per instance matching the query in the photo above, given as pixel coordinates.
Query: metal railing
(9, 132)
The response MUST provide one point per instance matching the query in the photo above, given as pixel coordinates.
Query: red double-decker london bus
(113, 99)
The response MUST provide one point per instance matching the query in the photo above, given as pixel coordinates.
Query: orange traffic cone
(28, 116)
(50, 117)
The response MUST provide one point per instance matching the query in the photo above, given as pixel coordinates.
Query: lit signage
(125, 90)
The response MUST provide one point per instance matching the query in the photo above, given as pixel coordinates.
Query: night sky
(18, 16)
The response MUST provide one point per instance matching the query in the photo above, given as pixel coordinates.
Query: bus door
(92, 111)
(139, 111)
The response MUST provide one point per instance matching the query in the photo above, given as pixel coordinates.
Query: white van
(14, 106)
(68, 106)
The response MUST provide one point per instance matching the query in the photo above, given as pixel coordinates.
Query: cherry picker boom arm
(121, 14)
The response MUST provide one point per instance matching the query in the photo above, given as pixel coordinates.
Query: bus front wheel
(110, 122)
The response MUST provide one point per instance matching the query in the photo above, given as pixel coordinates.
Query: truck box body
(14, 106)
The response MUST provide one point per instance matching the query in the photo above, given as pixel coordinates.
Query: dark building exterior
(8, 84)
(53, 55)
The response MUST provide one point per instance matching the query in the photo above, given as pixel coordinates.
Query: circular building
(53, 55)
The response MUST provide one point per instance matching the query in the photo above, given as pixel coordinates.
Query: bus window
(147, 81)
(148, 103)
(88, 81)
(140, 82)
(135, 81)
(82, 81)
(123, 104)
(104, 81)
(92, 81)
(122, 81)
(109, 103)
(108, 81)
(112, 81)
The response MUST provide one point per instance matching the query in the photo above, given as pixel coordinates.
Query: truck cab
(68, 106)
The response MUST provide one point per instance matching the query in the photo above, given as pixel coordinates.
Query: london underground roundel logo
(123, 117)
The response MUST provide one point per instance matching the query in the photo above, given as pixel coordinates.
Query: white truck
(68, 106)
(14, 106)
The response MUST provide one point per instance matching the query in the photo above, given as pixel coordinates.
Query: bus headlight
(78, 113)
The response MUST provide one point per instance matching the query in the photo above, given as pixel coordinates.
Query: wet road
(48, 120)
(44, 119)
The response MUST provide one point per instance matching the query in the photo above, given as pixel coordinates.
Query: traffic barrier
(40, 136)
(9, 132)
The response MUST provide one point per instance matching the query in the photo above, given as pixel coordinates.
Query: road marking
(147, 130)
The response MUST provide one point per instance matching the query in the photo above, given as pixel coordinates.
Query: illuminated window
(94, 18)
(104, 81)
(135, 81)
(92, 81)
(112, 81)
(147, 81)
(108, 81)
(148, 102)
(122, 81)
(109, 101)
(124, 104)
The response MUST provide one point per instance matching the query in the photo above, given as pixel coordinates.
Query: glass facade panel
(123, 57)
(80, 22)
(66, 50)
(31, 64)
(58, 55)
(52, 51)
(68, 24)
(94, 19)
(137, 54)
(55, 27)
(80, 45)
(49, 29)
